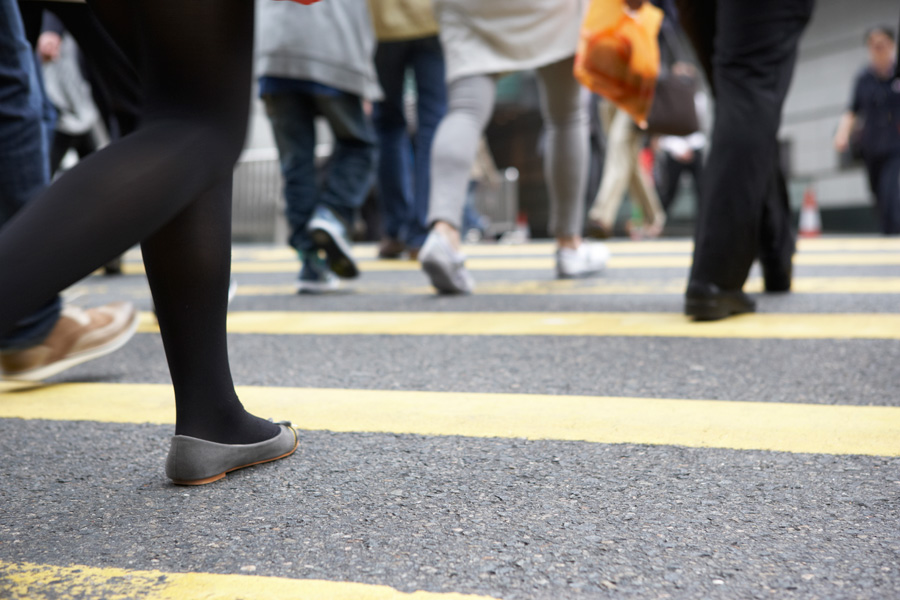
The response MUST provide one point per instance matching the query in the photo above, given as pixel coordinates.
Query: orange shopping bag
(618, 54)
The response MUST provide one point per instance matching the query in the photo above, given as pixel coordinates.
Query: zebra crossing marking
(27, 581)
(775, 426)
(750, 326)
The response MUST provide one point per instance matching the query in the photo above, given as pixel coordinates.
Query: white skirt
(482, 37)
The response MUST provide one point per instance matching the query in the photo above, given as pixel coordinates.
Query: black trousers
(672, 170)
(748, 50)
(84, 144)
(884, 181)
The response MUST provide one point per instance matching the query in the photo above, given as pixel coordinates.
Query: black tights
(168, 186)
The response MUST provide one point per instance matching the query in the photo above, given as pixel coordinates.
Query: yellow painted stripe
(473, 264)
(752, 326)
(694, 423)
(364, 251)
(682, 246)
(566, 287)
(29, 581)
(548, 263)
(841, 285)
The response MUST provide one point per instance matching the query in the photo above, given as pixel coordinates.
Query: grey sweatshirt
(331, 43)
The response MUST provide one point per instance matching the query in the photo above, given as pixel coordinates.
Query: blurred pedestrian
(329, 75)
(51, 337)
(481, 41)
(875, 105)
(113, 81)
(748, 50)
(168, 185)
(77, 115)
(409, 52)
(622, 171)
(682, 154)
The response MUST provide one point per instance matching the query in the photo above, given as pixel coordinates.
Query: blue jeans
(350, 172)
(23, 153)
(403, 172)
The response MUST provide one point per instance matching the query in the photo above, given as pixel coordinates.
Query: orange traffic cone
(810, 219)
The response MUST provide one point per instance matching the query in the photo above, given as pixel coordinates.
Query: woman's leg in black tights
(188, 266)
(167, 185)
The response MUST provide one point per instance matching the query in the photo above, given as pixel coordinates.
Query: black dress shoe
(708, 302)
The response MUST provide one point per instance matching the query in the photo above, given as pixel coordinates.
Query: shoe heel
(199, 481)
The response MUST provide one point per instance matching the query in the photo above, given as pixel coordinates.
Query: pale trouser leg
(618, 166)
(566, 162)
(470, 104)
(643, 192)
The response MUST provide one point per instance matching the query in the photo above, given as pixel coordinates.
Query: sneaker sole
(339, 259)
(41, 373)
(441, 281)
(317, 289)
(582, 275)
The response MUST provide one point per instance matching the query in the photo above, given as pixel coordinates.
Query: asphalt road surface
(540, 439)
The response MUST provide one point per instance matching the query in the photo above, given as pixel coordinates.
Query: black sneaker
(330, 235)
(316, 277)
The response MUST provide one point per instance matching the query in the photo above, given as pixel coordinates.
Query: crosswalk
(832, 274)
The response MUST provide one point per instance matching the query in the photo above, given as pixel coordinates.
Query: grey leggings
(471, 102)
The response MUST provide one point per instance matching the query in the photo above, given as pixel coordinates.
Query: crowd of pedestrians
(171, 85)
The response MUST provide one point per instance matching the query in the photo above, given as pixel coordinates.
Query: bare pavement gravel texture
(425, 496)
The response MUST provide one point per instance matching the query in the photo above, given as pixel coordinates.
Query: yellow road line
(28, 581)
(548, 263)
(678, 246)
(841, 285)
(783, 427)
(616, 262)
(562, 287)
(682, 246)
(752, 326)
(605, 287)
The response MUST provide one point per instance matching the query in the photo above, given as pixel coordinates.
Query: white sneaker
(587, 259)
(445, 266)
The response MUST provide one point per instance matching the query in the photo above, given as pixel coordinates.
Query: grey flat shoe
(193, 461)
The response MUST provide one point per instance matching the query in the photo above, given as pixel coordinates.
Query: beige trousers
(621, 170)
